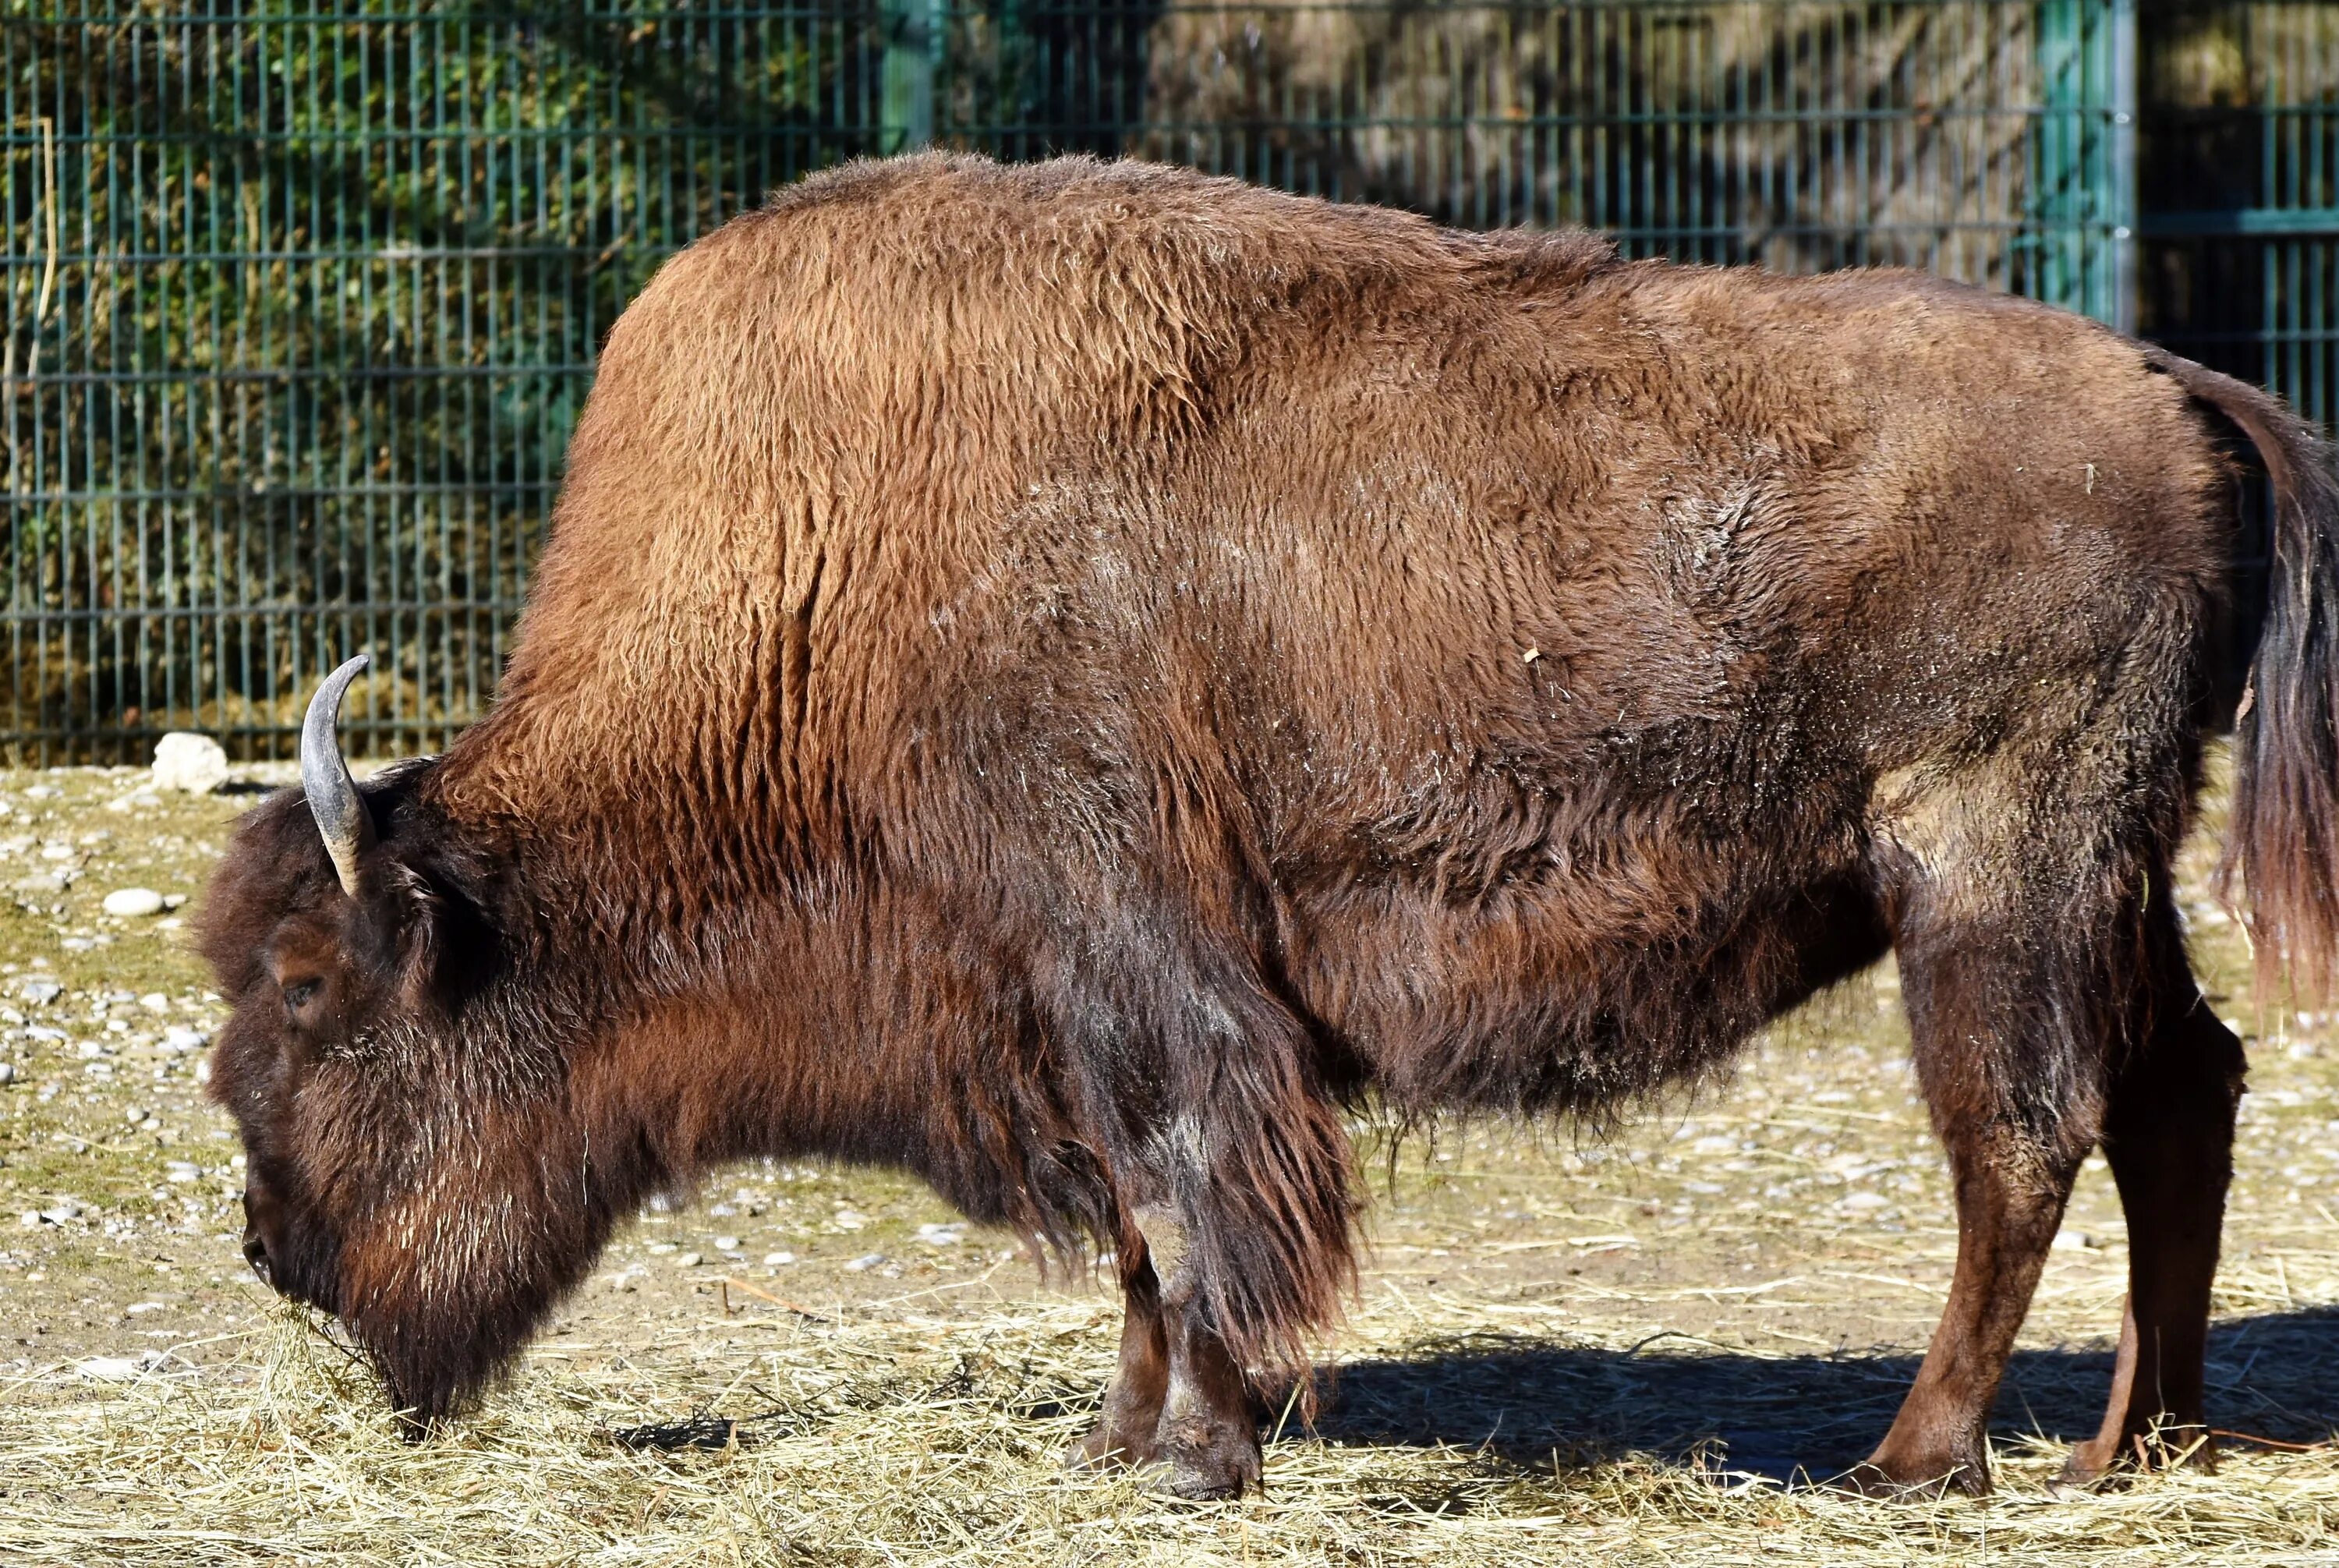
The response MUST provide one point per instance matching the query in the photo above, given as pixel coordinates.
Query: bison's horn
(341, 816)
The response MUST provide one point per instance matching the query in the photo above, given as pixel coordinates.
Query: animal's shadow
(1533, 1403)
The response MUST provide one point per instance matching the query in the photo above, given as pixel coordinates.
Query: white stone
(778, 1259)
(133, 903)
(7, 1072)
(189, 762)
(117, 1368)
(179, 1040)
(726, 1244)
(38, 991)
(942, 1235)
(866, 1261)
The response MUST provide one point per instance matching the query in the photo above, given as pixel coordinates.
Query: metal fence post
(2083, 171)
(2120, 200)
(912, 31)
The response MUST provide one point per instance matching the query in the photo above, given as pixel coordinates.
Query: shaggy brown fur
(1062, 677)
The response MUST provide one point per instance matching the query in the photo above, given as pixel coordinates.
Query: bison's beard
(442, 1303)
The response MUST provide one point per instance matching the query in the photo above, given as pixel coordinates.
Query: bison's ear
(425, 939)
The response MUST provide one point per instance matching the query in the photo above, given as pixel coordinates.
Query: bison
(1068, 679)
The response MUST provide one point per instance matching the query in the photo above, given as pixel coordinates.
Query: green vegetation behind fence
(300, 307)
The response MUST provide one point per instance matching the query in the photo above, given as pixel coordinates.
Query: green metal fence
(1972, 137)
(2240, 191)
(300, 308)
(300, 305)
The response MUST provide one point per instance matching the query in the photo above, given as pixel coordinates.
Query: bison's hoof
(1896, 1479)
(1209, 1467)
(2096, 1463)
(1202, 1483)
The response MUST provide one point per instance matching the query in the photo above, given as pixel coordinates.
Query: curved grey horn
(341, 816)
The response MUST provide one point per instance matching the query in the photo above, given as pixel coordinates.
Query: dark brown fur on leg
(2006, 1016)
(1125, 1433)
(2009, 1207)
(2169, 1135)
(1206, 1444)
(1179, 1407)
(1207, 1440)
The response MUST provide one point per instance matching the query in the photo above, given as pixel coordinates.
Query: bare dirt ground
(1566, 1347)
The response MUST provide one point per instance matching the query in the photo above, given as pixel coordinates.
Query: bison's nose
(255, 1251)
(257, 1212)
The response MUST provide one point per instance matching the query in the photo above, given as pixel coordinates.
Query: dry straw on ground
(894, 1437)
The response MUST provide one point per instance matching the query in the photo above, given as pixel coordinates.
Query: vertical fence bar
(912, 33)
(2119, 192)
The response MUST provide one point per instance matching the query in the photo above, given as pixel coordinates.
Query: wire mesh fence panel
(2240, 191)
(300, 308)
(300, 305)
(1966, 136)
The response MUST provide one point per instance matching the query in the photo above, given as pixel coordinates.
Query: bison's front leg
(1132, 1406)
(1179, 1406)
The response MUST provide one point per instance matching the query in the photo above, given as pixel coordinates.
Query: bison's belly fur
(1068, 678)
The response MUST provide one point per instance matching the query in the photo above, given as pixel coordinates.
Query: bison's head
(414, 1164)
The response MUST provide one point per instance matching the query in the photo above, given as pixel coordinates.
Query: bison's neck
(712, 1008)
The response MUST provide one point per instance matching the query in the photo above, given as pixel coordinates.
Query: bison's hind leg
(2014, 1147)
(2033, 977)
(2168, 1133)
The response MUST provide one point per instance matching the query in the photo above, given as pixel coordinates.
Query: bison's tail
(2284, 840)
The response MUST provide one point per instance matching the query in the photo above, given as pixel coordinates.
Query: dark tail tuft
(2284, 840)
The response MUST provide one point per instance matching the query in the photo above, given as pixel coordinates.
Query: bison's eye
(300, 993)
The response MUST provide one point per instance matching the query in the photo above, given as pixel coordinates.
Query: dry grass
(897, 1437)
(1622, 1351)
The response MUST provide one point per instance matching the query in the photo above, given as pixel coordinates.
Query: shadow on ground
(1527, 1402)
